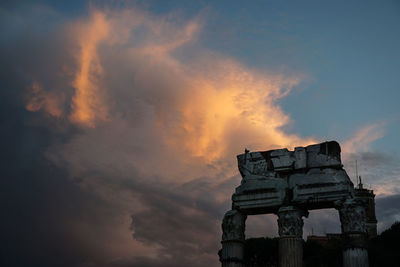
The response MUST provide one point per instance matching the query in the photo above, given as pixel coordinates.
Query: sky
(121, 120)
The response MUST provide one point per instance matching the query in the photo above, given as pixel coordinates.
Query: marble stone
(289, 183)
(352, 215)
(290, 252)
(233, 236)
(290, 221)
(355, 257)
(311, 176)
(290, 225)
(233, 226)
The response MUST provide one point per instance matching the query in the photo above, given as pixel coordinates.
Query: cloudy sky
(121, 120)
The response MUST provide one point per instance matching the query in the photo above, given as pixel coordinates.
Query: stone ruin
(289, 184)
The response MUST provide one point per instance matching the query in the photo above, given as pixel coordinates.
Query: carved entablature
(352, 216)
(311, 177)
(233, 226)
(268, 163)
(290, 221)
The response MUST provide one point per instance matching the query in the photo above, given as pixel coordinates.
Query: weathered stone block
(259, 194)
(301, 158)
(311, 176)
(322, 155)
(320, 187)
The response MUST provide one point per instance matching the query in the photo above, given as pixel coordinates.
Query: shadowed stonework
(289, 183)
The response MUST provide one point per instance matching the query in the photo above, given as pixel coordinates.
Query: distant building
(326, 240)
(322, 240)
(368, 198)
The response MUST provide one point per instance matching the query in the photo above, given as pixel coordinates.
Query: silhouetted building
(368, 198)
(328, 239)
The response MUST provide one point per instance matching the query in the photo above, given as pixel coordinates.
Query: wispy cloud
(363, 138)
(50, 102)
(378, 170)
(87, 104)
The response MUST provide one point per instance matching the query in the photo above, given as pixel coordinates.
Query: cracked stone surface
(311, 176)
(233, 226)
(289, 183)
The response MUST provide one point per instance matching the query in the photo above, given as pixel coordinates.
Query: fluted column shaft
(233, 237)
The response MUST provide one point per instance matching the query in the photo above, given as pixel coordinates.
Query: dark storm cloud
(38, 200)
(184, 226)
(45, 210)
(40, 203)
(388, 210)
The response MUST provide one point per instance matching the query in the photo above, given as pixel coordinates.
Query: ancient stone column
(353, 218)
(233, 227)
(290, 224)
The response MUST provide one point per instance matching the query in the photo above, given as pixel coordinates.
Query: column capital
(290, 221)
(233, 226)
(352, 216)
